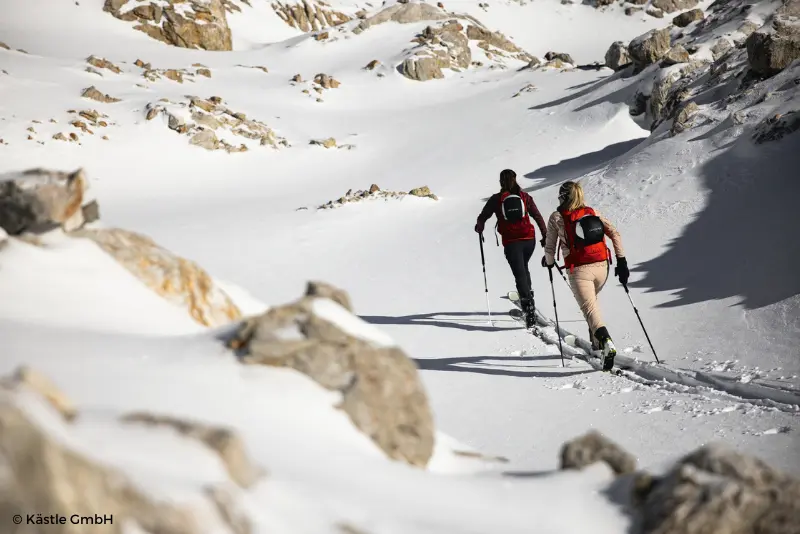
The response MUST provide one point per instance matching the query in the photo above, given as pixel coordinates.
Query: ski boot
(529, 309)
(607, 349)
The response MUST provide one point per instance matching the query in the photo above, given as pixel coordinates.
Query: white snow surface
(712, 266)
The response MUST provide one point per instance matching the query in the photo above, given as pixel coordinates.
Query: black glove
(544, 263)
(479, 227)
(543, 241)
(621, 271)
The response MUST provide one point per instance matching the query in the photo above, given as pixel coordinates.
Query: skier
(513, 207)
(581, 231)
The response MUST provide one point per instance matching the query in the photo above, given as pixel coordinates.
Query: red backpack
(513, 221)
(586, 240)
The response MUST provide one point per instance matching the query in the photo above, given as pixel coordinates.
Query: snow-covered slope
(705, 216)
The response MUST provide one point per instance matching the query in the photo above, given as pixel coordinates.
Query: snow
(721, 308)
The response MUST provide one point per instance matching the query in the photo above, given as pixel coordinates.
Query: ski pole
(485, 284)
(562, 274)
(640, 322)
(555, 310)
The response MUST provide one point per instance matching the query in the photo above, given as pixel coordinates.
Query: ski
(519, 316)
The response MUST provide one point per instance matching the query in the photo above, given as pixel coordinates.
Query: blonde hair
(572, 195)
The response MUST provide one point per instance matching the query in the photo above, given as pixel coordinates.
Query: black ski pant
(518, 254)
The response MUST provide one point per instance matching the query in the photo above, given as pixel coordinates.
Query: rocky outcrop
(446, 46)
(92, 93)
(380, 386)
(711, 490)
(617, 56)
(202, 119)
(770, 52)
(42, 474)
(649, 47)
(671, 6)
(685, 118)
(677, 54)
(39, 200)
(178, 280)
(375, 193)
(559, 56)
(594, 447)
(403, 14)
(227, 444)
(102, 63)
(309, 15)
(686, 18)
(187, 24)
(715, 489)
(496, 43)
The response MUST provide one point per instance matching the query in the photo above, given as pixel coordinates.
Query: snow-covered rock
(380, 386)
(176, 279)
(197, 24)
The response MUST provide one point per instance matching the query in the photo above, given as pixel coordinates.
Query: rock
(60, 137)
(717, 490)
(594, 447)
(41, 473)
(44, 387)
(4, 46)
(327, 82)
(204, 72)
(404, 14)
(685, 118)
(321, 36)
(141, 64)
(686, 18)
(102, 63)
(93, 94)
(653, 12)
(770, 53)
(720, 48)
(38, 200)
(552, 56)
(226, 443)
(91, 211)
(631, 11)
(309, 15)
(380, 386)
(603, 3)
(649, 47)
(206, 139)
(297, 78)
(372, 65)
(327, 143)
(495, 39)
(776, 127)
(422, 67)
(617, 56)
(197, 25)
(677, 54)
(178, 280)
(423, 191)
(174, 75)
(670, 6)
(327, 291)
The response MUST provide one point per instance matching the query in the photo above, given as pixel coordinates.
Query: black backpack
(512, 206)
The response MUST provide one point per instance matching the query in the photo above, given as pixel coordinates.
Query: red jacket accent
(581, 255)
(518, 231)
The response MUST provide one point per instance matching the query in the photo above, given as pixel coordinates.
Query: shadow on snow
(745, 242)
(456, 365)
(430, 319)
